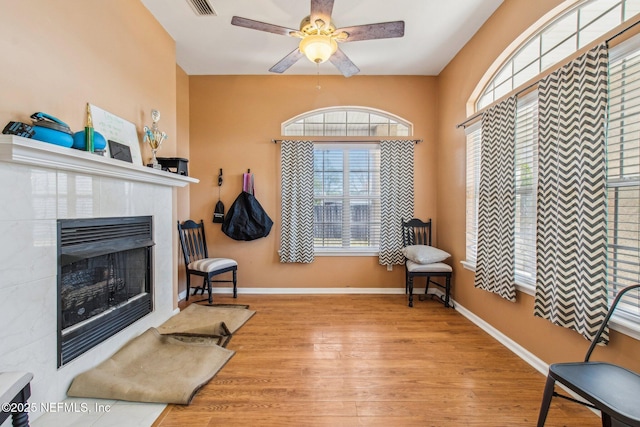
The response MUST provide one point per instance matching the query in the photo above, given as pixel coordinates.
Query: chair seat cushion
(207, 265)
(603, 384)
(436, 267)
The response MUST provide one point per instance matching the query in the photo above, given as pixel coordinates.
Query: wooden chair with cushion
(423, 260)
(197, 261)
(611, 389)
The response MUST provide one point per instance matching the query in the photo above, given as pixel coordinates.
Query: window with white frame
(346, 205)
(526, 172)
(623, 175)
(574, 29)
(623, 184)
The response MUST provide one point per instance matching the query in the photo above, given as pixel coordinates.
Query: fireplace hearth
(104, 279)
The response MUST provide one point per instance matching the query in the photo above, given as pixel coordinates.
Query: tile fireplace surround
(41, 183)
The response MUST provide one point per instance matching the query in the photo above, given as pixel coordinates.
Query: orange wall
(232, 122)
(59, 55)
(182, 194)
(455, 85)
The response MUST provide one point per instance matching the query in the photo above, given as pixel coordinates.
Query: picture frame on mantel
(117, 129)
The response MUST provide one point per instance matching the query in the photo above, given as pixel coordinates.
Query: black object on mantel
(174, 164)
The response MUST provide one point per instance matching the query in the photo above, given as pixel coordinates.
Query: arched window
(347, 178)
(347, 121)
(553, 39)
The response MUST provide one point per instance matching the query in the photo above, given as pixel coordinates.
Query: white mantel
(16, 149)
(39, 184)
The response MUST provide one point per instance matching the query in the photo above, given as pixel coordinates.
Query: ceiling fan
(320, 38)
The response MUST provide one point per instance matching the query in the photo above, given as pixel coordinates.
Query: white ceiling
(435, 30)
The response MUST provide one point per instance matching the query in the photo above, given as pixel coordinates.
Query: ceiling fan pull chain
(318, 65)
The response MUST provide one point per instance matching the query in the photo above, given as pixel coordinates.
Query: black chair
(197, 261)
(609, 388)
(416, 234)
(15, 390)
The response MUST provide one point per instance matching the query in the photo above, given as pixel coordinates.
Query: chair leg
(209, 290)
(606, 420)
(410, 284)
(188, 285)
(546, 400)
(447, 291)
(235, 283)
(406, 281)
(205, 282)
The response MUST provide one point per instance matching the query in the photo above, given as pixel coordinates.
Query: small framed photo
(120, 151)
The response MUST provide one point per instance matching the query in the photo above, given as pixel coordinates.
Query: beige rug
(153, 368)
(205, 320)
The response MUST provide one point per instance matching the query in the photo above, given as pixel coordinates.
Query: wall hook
(220, 178)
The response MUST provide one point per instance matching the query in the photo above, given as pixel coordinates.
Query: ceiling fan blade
(321, 10)
(287, 61)
(261, 26)
(344, 64)
(382, 30)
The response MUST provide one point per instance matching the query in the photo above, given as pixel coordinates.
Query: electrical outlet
(389, 267)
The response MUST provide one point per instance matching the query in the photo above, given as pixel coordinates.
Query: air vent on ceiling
(202, 7)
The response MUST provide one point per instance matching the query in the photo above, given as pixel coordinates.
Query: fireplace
(104, 279)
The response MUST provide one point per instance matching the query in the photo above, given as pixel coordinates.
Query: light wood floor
(367, 360)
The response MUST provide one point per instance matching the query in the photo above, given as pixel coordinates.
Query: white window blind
(623, 174)
(526, 179)
(474, 135)
(347, 197)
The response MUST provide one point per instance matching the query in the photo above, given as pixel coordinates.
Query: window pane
(631, 8)
(623, 176)
(503, 89)
(380, 129)
(559, 32)
(335, 117)
(473, 178)
(600, 26)
(526, 170)
(593, 11)
(347, 178)
(527, 55)
(504, 75)
(313, 129)
(357, 117)
(358, 129)
(559, 53)
(318, 118)
(526, 74)
(334, 129)
(294, 129)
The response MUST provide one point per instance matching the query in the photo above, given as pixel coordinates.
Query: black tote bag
(246, 220)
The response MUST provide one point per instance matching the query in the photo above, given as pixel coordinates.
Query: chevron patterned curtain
(572, 203)
(496, 201)
(396, 197)
(296, 236)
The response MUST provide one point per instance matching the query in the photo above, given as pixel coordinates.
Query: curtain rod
(417, 141)
(480, 113)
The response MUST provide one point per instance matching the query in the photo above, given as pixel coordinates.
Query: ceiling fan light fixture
(318, 47)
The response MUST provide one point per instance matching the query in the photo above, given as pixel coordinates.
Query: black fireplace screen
(104, 279)
(94, 285)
